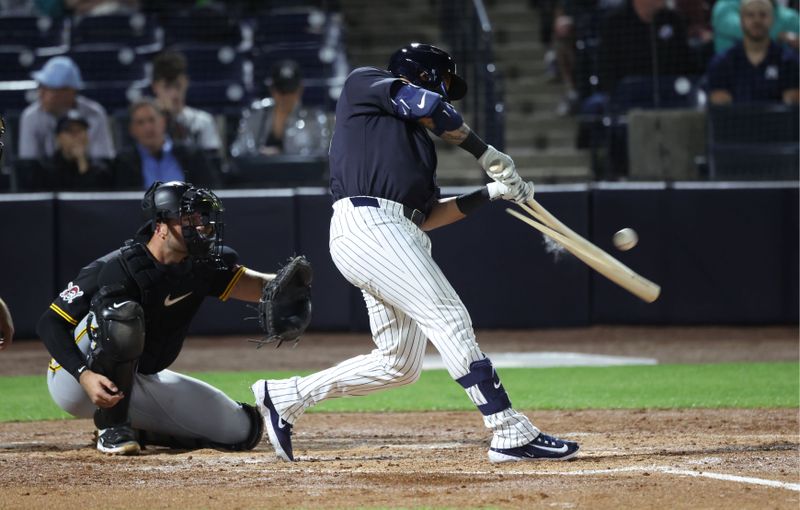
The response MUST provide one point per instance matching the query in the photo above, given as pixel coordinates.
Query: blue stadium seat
(106, 63)
(35, 31)
(753, 142)
(203, 26)
(17, 63)
(135, 31)
(315, 61)
(299, 25)
(647, 93)
(217, 63)
(219, 97)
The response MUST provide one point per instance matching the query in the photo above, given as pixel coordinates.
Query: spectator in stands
(59, 81)
(756, 69)
(628, 35)
(185, 124)
(697, 15)
(280, 124)
(570, 16)
(728, 27)
(155, 157)
(102, 7)
(53, 8)
(71, 168)
(6, 326)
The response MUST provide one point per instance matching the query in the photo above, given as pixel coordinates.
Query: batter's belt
(416, 216)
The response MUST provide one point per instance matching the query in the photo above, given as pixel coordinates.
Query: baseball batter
(118, 325)
(382, 164)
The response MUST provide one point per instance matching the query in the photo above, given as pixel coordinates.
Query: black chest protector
(142, 269)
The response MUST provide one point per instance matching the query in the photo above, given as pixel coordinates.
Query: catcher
(120, 323)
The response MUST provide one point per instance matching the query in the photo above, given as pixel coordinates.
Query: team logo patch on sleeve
(71, 293)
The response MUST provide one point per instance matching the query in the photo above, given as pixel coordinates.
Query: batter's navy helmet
(428, 66)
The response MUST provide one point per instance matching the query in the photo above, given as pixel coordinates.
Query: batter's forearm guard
(414, 103)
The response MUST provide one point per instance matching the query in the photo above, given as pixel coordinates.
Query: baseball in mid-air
(625, 239)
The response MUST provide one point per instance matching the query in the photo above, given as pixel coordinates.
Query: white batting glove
(520, 193)
(498, 166)
(497, 190)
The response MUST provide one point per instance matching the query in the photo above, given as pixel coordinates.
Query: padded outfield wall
(724, 253)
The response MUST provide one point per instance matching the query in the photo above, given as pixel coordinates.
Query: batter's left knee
(483, 375)
(404, 370)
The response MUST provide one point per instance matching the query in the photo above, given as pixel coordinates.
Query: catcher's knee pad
(482, 374)
(116, 328)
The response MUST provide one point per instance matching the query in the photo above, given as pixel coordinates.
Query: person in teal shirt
(728, 29)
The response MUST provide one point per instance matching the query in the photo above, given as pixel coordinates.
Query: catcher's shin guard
(195, 443)
(483, 376)
(116, 329)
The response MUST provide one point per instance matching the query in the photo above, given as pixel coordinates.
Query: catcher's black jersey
(169, 302)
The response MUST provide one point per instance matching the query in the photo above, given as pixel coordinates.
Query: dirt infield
(630, 459)
(664, 459)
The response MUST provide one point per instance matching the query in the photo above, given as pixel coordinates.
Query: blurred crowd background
(112, 95)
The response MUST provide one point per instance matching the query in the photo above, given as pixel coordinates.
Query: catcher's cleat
(119, 440)
(544, 447)
(279, 431)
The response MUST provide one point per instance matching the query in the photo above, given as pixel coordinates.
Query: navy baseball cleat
(544, 447)
(119, 440)
(280, 432)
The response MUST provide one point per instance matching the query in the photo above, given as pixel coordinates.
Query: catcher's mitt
(284, 310)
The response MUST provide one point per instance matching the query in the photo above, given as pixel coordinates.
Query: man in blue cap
(59, 81)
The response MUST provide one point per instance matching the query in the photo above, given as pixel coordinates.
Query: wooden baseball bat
(587, 252)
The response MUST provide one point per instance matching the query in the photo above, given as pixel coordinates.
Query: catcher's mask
(199, 211)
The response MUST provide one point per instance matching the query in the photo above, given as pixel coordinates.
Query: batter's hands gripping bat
(587, 252)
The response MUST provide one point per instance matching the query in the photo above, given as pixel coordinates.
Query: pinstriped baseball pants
(409, 300)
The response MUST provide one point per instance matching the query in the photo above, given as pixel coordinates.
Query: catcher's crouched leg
(252, 440)
(117, 340)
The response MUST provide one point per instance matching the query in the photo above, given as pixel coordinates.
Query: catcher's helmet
(429, 67)
(199, 210)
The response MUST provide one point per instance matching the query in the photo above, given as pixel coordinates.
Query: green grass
(731, 385)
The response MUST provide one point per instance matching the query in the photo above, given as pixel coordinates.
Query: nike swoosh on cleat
(421, 102)
(281, 424)
(168, 301)
(497, 385)
(563, 448)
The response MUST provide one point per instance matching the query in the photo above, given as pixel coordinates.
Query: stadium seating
(50, 35)
(228, 57)
(205, 26)
(753, 142)
(294, 26)
(17, 63)
(647, 93)
(108, 62)
(137, 31)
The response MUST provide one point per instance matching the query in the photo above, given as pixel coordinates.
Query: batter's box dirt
(630, 459)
